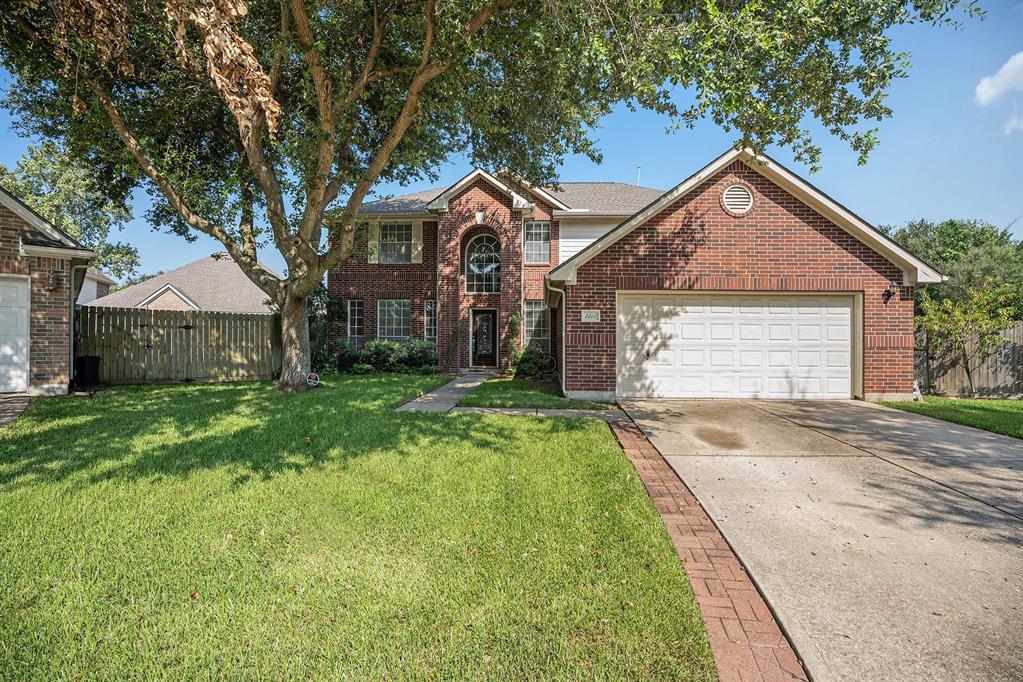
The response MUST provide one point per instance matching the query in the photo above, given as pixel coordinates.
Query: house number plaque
(591, 316)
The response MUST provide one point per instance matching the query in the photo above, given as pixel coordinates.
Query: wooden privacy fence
(139, 346)
(1001, 376)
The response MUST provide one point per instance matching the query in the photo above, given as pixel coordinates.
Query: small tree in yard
(968, 328)
(246, 121)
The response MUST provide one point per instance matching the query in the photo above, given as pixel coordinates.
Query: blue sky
(948, 152)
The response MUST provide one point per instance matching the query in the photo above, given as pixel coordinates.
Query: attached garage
(726, 345)
(742, 282)
(14, 302)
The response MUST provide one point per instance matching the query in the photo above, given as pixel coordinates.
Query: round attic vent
(737, 199)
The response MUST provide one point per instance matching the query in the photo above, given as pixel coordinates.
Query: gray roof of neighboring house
(210, 283)
(599, 197)
(99, 276)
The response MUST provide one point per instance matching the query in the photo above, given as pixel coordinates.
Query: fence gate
(139, 346)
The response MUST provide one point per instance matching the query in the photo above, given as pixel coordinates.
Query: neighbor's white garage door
(13, 334)
(734, 346)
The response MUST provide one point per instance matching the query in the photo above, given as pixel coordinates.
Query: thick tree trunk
(295, 351)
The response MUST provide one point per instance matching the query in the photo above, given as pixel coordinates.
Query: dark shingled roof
(211, 283)
(599, 197)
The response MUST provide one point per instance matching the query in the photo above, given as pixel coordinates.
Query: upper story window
(483, 265)
(538, 242)
(395, 244)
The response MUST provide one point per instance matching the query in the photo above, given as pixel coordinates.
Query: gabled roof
(916, 270)
(212, 283)
(46, 238)
(612, 198)
(93, 273)
(572, 198)
(440, 202)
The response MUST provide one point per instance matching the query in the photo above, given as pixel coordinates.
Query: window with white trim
(393, 319)
(395, 243)
(538, 325)
(355, 322)
(537, 247)
(430, 320)
(483, 265)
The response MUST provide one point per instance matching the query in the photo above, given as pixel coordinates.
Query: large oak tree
(248, 121)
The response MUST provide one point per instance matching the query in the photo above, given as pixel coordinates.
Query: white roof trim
(99, 277)
(162, 290)
(549, 198)
(56, 252)
(915, 269)
(34, 219)
(440, 203)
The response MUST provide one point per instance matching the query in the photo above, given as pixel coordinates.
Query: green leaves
(73, 198)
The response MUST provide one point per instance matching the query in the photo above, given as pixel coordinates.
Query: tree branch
(428, 70)
(266, 281)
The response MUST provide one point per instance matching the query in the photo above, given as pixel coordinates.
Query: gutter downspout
(71, 323)
(564, 332)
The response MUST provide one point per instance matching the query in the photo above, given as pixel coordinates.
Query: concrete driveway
(889, 544)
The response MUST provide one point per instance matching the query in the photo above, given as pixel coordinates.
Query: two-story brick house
(743, 281)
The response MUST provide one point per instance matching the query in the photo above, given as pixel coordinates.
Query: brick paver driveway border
(748, 643)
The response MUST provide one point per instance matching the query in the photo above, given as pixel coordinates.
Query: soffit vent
(737, 199)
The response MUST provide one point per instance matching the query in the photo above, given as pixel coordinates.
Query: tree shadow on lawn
(144, 432)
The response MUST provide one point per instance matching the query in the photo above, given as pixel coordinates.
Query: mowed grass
(504, 392)
(229, 531)
(999, 416)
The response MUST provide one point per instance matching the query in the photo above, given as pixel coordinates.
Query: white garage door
(734, 346)
(13, 334)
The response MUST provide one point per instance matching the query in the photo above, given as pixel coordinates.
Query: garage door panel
(736, 346)
(14, 334)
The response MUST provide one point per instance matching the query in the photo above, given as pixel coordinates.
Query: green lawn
(1000, 416)
(211, 531)
(503, 392)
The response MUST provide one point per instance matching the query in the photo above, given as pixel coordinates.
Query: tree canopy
(246, 121)
(71, 197)
(973, 254)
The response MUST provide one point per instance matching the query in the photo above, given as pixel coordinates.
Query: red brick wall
(356, 278)
(780, 245)
(50, 299)
(441, 276)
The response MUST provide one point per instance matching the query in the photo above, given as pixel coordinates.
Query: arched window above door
(483, 265)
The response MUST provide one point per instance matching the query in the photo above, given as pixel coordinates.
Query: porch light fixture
(891, 292)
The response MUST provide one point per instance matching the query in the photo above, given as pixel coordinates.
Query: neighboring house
(41, 273)
(744, 281)
(96, 285)
(214, 283)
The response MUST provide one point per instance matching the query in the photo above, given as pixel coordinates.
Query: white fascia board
(34, 219)
(566, 271)
(918, 271)
(165, 288)
(55, 252)
(915, 269)
(441, 202)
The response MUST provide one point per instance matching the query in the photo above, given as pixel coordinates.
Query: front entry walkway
(446, 397)
(889, 544)
(11, 406)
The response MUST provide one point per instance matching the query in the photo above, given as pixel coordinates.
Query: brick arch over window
(481, 262)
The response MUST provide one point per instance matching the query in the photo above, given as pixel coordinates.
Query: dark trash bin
(87, 371)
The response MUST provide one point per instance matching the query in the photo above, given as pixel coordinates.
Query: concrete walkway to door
(889, 544)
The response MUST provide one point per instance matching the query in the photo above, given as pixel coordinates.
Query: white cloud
(1007, 79)
(1015, 122)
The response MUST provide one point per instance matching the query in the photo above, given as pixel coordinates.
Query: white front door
(734, 346)
(14, 298)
